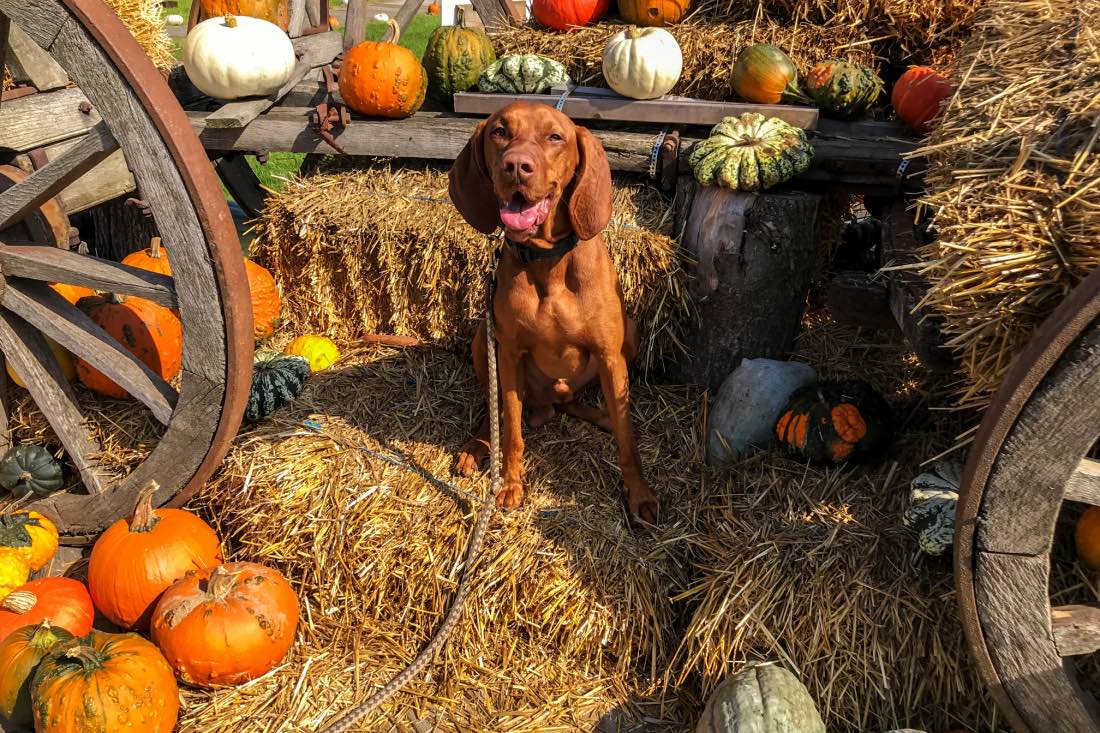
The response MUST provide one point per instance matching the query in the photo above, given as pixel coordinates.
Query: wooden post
(405, 14)
(755, 253)
(355, 24)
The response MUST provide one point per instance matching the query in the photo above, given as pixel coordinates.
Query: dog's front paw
(643, 505)
(511, 495)
(469, 458)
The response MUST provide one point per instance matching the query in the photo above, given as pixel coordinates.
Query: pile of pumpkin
(159, 572)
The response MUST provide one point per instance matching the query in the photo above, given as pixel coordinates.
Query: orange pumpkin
(562, 15)
(654, 12)
(764, 74)
(264, 294)
(137, 559)
(63, 602)
(149, 331)
(917, 97)
(1086, 536)
(433, 9)
(72, 293)
(273, 11)
(154, 259)
(333, 23)
(20, 654)
(104, 683)
(382, 79)
(226, 625)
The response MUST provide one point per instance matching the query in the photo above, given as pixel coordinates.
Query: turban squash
(750, 153)
(527, 74)
(834, 422)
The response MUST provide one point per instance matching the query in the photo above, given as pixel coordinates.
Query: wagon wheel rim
(1063, 357)
(209, 287)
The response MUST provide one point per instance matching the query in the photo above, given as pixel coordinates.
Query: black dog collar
(526, 255)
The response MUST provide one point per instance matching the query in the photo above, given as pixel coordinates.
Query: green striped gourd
(933, 497)
(528, 74)
(277, 379)
(751, 153)
(455, 58)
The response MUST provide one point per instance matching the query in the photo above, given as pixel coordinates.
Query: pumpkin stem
(634, 32)
(88, 657)
(19, 601)
(26, 476)
(231, 20)
(154, 248)
(220, 584)
(144, 517)
(395, 31)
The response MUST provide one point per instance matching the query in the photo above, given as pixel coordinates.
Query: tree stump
(754, 257)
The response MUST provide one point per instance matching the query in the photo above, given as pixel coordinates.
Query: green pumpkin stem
(145, 517)
(88, 657)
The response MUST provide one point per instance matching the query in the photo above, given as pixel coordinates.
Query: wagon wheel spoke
(5, 440)
(1084, 484)
(58, 265)
(46, 310)
(52, 178)
(1076, 628)
(32, 358)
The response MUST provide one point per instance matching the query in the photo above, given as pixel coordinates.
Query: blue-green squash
(277, 379)
(30, 469)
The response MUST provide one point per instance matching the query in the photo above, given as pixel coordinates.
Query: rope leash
(473, 547)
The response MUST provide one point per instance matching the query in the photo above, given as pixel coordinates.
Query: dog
(560, 322)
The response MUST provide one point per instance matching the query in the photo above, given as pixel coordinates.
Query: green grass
(415, 37)
(279, 165)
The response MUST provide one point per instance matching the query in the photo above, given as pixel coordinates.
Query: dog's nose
(518, 165)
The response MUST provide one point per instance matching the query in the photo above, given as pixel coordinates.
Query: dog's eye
(498, 131)
(556, 138)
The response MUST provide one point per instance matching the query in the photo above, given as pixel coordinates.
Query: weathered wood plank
(355, 23)
(43, 308)
(297, 21)
(92, 149)
(403, 17)
(1084, 484)
(1076, 629)
(667, 111)
(1043, 452)
(39, 18)
(51, 264)
(5, 436)
(1012, 593)
(108, 180)
(496, 14)
(316, 50)
(28, 63)
(43, 119)
(32, 358)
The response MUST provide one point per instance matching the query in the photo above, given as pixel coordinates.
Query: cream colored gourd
(237, 56)
(642, 63)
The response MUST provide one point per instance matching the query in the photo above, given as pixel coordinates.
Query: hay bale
(382, 249)
(1012, 182)
(143, 19)
(709, 49)
(8, 81)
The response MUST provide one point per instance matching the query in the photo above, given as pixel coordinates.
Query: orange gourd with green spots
(382, 79)
(834, 422)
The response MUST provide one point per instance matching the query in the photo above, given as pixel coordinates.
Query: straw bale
(9, 81)
(144, 21)
(1012, 182)
(709, 49)
(382, 249)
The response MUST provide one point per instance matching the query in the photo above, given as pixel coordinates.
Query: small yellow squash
(319, 351)
(29, 536)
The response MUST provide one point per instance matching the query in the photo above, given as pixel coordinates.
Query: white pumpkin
(174, 19)
(642, 63)
(238, 56)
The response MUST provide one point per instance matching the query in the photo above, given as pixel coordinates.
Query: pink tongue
(520, 217)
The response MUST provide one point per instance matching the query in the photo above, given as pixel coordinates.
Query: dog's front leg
(640, 499)
(510, 495)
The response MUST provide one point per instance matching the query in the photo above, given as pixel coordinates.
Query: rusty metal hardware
(668, 166)
(329, 114)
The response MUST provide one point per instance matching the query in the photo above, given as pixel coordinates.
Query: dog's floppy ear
(590, 202)
(471, 188)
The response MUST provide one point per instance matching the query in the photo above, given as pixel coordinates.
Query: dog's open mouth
(520, 215)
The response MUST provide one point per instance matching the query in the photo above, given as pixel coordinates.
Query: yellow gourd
(319, 351)
(14, 572)
(64, 360)
(28, 535)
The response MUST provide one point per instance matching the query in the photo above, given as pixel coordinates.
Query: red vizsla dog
(559, 316)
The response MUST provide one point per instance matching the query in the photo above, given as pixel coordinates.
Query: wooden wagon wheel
(209, 288)
(1029, 457)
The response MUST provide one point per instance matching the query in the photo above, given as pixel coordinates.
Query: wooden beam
(582, 104)
(43, 119)
(1076, 629)
(355, 23)
(297, 21)
(108, 180)
(241, 182)
(56, 175)
(30, 64)
(5, 31)
(1084, 484)
(316, 50)
(404, 16)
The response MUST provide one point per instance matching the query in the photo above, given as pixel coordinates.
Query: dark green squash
(30, 469)
(842, 89)
(455, 58)
(277, 379)
(834, 422)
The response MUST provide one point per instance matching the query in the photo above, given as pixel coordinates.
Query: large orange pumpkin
(20, 654)
(104, 683)
(562, 15)
(137, 559)
(226, 625)
(149, 331)
(154, 259)
(273, 11)
(382, 79)
(654, 12)
(765, 74)
(63, 602)
(72, 293)
(264, 294)
(917, 97)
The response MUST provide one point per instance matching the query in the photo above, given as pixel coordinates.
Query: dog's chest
(552, 313)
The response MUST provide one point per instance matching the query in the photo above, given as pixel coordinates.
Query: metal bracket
(322, 23)
(667, 164)
(329, 114)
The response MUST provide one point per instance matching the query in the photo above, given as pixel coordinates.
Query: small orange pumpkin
(72, 293)
(154, 259)
(1086, 537)
(917, 96)
(382, 79)
(226, 625)
(63, 602)
(434, 9)
(149, 331)
(273, 11)
(654, 12)
(20, 654)
(264, 294)
(137, 559)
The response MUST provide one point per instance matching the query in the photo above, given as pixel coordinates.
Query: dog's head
(529, 169)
